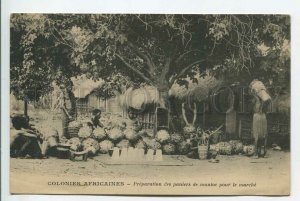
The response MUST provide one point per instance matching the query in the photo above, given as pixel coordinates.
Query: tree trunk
(163, 99)
(25, 107)
(163, 84)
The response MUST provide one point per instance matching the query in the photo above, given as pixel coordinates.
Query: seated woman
(24, 140)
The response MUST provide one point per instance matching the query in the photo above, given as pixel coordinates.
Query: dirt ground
(268, 174)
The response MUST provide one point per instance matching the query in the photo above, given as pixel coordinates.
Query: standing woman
(259, 124)
(68, 107)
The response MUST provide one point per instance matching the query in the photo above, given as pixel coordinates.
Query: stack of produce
(131, 135)
(115, 134)
(225, 148)
(85, 131)
(74, 143)
(117, 121)
(237, 146)
(99, 133)
(168, 142)
(163, 136)
(152, 143)
(183, 148)
(214, 148)
(118, 133)
(249, 150)
(169, 149)
(91, 145)
(105, 146)
(232, 147)
(176, 138)
(188, 131)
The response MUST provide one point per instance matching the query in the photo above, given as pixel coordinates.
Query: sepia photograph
(150, 104)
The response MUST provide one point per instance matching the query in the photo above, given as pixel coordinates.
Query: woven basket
(203, 151)
(73, 131)
(225, 148)
(63, 153)
(260, 90)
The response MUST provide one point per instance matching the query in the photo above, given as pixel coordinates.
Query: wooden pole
(25, 107)
(203, 116)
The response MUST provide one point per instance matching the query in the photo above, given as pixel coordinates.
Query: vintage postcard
(150, 104)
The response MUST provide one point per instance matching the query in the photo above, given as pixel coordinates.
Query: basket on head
(258, 88)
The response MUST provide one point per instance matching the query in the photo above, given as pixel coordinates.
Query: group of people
(27, 141)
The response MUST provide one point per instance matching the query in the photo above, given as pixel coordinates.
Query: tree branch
(134, 69)
(183, 71)
(195, 113)
(184, 114)
(144, 56)
(63, 41)
(185, 53)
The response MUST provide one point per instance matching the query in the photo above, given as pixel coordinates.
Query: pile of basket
(73, 128)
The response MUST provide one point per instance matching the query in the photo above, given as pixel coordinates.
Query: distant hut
(87, 97)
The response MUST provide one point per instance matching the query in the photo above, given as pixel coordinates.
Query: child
(96, 115)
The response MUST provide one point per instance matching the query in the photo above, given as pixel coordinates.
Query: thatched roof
(84, 86)
(136, 98)
(199, 90)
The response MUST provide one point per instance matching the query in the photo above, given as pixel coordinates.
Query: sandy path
(270, 175)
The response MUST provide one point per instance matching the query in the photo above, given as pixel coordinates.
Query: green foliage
(114, 85)
(154, 49)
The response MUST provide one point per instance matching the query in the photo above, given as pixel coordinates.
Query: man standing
(68, 107)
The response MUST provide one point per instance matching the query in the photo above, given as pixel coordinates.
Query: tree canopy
(159, 50)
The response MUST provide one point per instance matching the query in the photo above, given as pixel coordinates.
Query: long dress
(259, 126)
(68, 105)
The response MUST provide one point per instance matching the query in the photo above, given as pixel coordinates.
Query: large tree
(163, 49)
(37, 57)
(158, 49)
